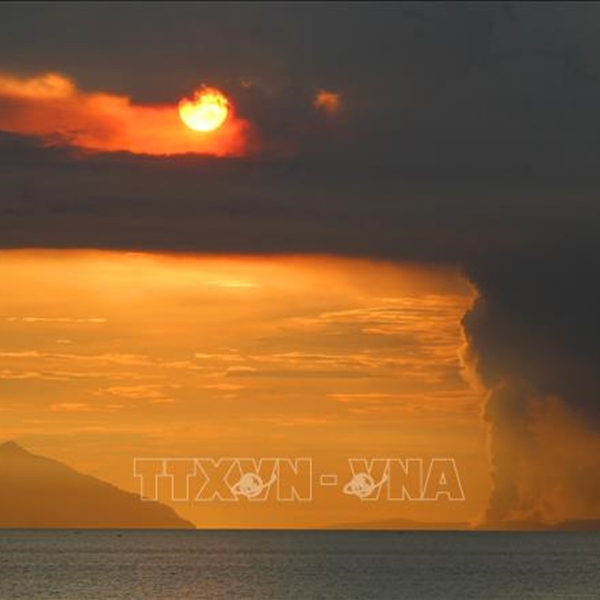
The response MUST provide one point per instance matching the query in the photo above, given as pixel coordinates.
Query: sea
(102, 565)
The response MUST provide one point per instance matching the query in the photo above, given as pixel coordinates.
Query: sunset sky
(156, 355)
(381, 238)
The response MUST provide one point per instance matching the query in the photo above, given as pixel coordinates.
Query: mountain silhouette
(409, 525)
(39, 492)
(402, 525)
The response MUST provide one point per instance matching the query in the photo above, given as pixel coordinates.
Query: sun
(205, 111)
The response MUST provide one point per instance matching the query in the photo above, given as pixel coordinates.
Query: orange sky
(107, 356)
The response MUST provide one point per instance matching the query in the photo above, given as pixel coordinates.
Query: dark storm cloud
(534, 334)
(275, 206)
(469, 133)
(424, 86)
(540, 324)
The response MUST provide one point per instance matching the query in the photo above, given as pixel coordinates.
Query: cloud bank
(52, 108)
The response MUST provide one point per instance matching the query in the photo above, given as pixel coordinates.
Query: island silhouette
(40, 492)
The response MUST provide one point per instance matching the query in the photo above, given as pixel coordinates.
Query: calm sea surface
(311, 564)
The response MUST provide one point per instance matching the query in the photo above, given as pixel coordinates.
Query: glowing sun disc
(205, 111)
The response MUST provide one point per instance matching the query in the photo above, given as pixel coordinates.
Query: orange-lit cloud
(51, 107)
(328, 102)
(231, 355)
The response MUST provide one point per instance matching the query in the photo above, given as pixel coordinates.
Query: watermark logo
(226, 479)
(287, 479)
(251, 485)
(397, 479)
(363, 485)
